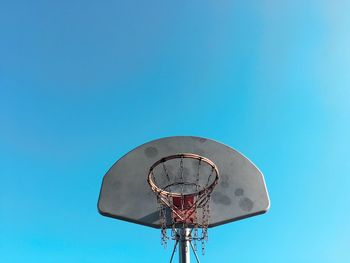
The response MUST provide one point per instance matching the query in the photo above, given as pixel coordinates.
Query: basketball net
(183, 195)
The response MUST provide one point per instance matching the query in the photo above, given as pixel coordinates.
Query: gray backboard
(126, 195)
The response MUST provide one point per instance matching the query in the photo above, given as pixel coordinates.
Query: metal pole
(184, 245)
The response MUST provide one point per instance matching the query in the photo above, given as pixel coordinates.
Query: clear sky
(84, 82)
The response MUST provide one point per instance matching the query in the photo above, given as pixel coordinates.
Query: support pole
(184, 245)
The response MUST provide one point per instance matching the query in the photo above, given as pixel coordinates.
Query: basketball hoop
(183, 194)
(181, 183)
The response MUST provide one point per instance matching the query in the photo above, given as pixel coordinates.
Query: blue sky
(83, 82)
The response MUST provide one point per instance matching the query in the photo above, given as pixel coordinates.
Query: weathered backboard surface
(126, 195)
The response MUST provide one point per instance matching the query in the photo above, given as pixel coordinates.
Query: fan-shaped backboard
(126, 195)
